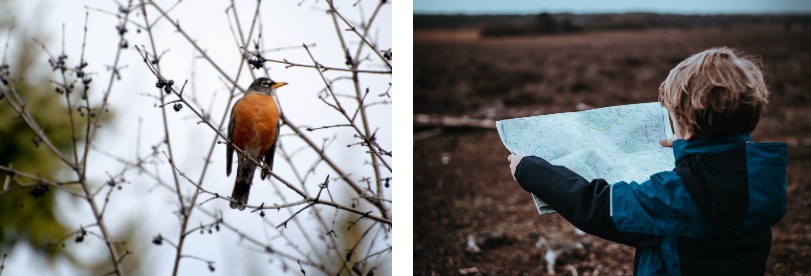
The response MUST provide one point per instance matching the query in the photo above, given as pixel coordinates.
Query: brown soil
(462, 182)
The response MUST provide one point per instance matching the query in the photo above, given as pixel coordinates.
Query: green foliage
(23, 217)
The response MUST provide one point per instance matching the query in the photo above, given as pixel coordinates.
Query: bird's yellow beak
(279, 84)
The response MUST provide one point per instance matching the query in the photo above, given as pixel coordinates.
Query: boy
(712, 214)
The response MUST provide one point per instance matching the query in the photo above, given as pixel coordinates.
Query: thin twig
(360, 36)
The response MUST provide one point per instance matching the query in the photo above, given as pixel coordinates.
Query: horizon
(690, 7)
(606, 13)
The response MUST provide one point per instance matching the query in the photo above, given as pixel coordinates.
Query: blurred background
(42, 229)
(480, 61)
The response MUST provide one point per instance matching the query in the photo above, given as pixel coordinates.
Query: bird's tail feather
(242, 186)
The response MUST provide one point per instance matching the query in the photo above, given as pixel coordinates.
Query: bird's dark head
(265, 86)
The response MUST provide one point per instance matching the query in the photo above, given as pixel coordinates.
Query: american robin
(254, 128)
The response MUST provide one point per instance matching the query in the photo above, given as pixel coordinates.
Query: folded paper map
(618, 143)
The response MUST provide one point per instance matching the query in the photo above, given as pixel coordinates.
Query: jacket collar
(682, 148)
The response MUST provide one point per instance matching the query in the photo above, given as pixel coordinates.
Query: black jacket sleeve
(585, 204)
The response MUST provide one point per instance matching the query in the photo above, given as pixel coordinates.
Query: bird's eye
(265, 83)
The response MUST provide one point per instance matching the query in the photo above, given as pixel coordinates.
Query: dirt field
(462, 182)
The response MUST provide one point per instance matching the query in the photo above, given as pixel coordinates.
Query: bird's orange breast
(256, 117)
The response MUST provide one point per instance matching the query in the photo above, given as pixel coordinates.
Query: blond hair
(715, 93)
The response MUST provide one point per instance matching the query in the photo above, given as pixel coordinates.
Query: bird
(253, 127)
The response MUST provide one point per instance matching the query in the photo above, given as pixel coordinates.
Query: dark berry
(38, 190)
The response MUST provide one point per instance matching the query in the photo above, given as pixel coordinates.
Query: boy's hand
(514, 160)
(669, 141)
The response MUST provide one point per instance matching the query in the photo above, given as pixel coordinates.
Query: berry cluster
(257, 61)
(4, 74)
(387, 54)
(39, 190)
(166, 85)
(80, 236)
(58, 63)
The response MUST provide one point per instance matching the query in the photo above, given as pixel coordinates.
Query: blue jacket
(711, 215)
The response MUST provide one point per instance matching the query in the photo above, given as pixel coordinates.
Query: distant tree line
(543, 23)
(546, 23)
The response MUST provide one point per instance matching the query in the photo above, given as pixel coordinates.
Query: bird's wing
(272, 151)
(229, 148)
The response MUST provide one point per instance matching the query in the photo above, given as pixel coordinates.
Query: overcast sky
(616, 6)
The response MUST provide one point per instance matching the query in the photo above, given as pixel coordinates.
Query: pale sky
(616, 6)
